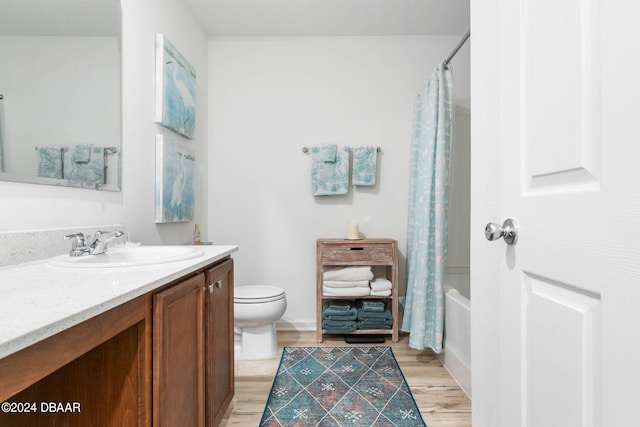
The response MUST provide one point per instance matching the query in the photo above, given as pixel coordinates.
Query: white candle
(352, 230)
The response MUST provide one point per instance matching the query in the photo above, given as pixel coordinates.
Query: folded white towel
(348, 273)
(381, 284)
(381, 293)
(346, 283)
(345, 292)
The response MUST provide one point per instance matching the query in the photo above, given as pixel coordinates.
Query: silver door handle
(508, 231)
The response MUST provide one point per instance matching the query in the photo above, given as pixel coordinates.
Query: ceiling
(331, 17)
(59, 17)
(250, 17)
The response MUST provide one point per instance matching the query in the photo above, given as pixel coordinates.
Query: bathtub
(456, 353)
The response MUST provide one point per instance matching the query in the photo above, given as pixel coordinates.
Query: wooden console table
(373, 252)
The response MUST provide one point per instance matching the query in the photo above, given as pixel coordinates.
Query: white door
(556, 146)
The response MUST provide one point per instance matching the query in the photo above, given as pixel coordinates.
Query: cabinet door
(178, 348)
(219, 381)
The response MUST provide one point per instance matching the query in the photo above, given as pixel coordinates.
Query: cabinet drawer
(354, 253)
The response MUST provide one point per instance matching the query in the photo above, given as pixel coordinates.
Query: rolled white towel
(381, 284)
(345, 292)
(346, 283)
(348, 273)
(381, 293)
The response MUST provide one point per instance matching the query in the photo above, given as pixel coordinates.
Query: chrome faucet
(101, 240)
(98, 243)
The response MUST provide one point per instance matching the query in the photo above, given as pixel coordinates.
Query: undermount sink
(129, 257)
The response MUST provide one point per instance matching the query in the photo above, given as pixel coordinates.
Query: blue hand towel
(385, 315)
(364, 165)
(342, 306)
(85, 174)
(329, 178)
(50, 165)
(371, 325)
(337, 327)
(330, 314)
(374, 306)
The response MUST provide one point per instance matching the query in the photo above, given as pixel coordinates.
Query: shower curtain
(428, 212)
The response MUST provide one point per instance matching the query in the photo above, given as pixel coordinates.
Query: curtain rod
(456, 49)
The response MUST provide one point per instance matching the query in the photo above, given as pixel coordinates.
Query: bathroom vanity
(139, 346)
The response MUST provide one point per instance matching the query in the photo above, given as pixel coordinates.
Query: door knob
(508, 230)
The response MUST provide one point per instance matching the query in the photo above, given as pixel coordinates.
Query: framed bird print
(175, 106)
(174, 197)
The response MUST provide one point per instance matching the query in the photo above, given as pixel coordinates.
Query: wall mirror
(60, 83)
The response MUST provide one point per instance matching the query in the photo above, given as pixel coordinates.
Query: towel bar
(305, 150)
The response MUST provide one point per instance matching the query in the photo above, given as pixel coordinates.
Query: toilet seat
(257, 294)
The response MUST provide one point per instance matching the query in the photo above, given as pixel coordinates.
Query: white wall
(28, 206)
(269, 97)
(143, 19)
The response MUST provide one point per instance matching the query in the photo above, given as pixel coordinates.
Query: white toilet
(255, 310)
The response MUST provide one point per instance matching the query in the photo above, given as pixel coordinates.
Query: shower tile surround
(19, 247)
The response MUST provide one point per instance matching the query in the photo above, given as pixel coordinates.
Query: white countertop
(38, 301)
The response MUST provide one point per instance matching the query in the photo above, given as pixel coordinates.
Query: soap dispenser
(196, 235)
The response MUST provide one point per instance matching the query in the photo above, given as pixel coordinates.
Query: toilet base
(260, 342)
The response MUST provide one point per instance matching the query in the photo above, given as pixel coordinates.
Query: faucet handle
(79, 238)
(78, 245)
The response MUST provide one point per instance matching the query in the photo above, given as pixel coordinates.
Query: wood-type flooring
(441, 401)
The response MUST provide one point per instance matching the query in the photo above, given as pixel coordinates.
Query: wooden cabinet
(373, 252)
(193, 349)
(92, 369)
(178, 354)
(219, 383)
(164, 358)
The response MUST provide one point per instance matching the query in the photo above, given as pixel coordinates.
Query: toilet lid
(257, 294)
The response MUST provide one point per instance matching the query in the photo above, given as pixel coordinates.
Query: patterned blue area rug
(340, 386)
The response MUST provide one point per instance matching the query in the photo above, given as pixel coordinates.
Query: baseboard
(295, 325)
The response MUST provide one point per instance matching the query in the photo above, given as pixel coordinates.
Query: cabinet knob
(217, 284)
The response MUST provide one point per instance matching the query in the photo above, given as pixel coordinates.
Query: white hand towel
(346, 283)
(381, 293)
(345, 292)
(381, 284)
(348, 273)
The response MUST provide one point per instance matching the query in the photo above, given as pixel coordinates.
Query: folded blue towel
(343, 305)
(375, 306)
(364, 165)
(386, 314)
(330, 314)
(337, 327)
(373, 321)
(50, 165)
(371, 325)
(329, 178)
(339, 330)
(338, 323)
